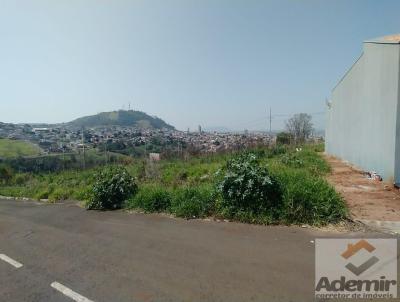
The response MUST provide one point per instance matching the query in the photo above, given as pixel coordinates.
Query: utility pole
(63, 149)
(270, 121)
(105, 152)
(83, 146)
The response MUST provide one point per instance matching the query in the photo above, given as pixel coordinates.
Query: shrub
(248, 191)
(284, 138)
(309, 199)
(113, 185)
(150, 198)
(193, 202)
(20, 179)
(6, 174)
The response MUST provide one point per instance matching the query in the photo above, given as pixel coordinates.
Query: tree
(283, 138)
(300, 127)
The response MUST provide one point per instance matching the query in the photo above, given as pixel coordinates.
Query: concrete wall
(362, 123)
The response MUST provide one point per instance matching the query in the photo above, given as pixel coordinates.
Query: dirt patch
(367, 199)
(347, 226)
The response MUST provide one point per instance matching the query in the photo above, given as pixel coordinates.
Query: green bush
(20, 179)
(248, 191)
(6, 173)
(113, 185)
(193, 202)
(309, 199)
(284, 138)
(151, 198)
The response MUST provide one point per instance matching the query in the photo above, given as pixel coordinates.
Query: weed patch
(151, 198)
(193, 202)
(309, 199)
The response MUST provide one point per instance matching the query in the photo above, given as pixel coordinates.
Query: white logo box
(356, 268)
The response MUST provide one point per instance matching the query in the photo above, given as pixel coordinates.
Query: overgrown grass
(15, 148)
(187, 188)
(185, 202)
(192, 172)
(193, 202)
(151, 198)
(308, 198)
(54, 186)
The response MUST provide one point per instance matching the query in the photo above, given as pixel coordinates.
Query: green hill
(129, 118)
(14, 148)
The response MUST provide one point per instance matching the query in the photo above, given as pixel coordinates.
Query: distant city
(58, 139)
(112, 132)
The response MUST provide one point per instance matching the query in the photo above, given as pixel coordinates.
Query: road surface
(64, 253)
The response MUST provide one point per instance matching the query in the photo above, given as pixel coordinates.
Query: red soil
(367, 199)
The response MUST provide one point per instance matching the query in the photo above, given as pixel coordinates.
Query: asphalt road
(116, 256)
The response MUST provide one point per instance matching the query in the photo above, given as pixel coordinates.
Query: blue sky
(208, 62)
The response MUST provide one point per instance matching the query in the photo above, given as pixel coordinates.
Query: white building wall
(362, 120)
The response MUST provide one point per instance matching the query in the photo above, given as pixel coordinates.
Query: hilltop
(129, 118)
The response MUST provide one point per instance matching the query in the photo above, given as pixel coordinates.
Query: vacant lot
(279, 185)
(13, 148)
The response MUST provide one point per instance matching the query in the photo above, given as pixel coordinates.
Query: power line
(260, 120)
(291, 114)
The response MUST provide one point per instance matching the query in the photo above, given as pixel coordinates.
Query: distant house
(363, 118)
(154, 156)
(41, 130)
